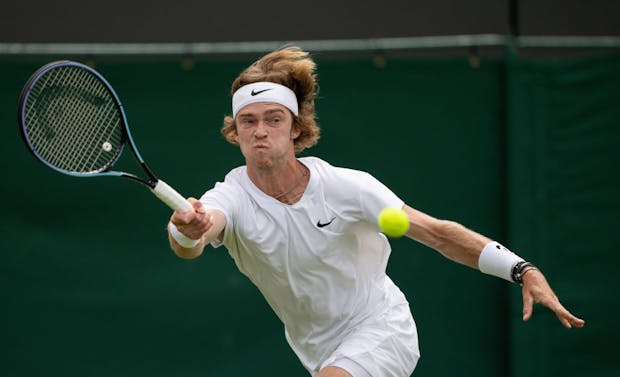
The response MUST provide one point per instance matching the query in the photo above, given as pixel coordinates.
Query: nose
(261, 129)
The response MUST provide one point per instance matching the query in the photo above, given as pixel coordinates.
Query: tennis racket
(73, 122)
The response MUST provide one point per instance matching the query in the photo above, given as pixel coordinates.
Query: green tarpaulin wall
(523, 151)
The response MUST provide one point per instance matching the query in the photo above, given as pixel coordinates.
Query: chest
(279, 240)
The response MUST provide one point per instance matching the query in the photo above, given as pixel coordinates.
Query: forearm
(185, 252)
(457, 243)
(451, 239)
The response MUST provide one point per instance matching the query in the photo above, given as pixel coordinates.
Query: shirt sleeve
(360, 194)
(374, 196)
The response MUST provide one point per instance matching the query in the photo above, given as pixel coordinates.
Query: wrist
(495, 259)
(181, 238)
(520, 269)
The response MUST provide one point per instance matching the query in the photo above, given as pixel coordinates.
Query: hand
(193, 223)
(536, 290)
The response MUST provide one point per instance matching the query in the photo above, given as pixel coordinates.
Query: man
(306, 234)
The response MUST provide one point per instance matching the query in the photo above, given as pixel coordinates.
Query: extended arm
(465, 246)
(451, 239)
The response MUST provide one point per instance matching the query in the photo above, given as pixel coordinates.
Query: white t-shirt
(320, 263)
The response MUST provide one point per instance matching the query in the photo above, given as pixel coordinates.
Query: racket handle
(172, 198)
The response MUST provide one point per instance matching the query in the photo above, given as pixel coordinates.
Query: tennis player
(305, 233)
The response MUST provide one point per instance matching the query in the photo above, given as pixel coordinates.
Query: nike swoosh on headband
(257, 92)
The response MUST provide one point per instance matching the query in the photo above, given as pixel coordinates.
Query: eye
(246, 122)
(274, 121)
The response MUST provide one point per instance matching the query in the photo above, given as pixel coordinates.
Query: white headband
(264, 92)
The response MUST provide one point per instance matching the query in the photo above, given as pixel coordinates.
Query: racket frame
(125, 133)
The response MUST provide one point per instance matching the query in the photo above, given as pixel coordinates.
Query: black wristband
(517, 271)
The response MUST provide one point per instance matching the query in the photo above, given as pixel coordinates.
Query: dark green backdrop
(522, 151)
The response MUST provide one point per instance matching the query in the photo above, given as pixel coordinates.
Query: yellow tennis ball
(394, 222)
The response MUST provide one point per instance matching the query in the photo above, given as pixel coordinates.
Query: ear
(295, 131)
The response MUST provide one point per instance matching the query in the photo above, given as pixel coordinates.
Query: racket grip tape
(171, 197)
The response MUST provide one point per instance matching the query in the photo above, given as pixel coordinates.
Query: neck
(285, 184)
(291, 190)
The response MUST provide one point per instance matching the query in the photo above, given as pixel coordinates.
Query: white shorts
(385, 347)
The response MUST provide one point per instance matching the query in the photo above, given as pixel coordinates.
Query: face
(265, 134)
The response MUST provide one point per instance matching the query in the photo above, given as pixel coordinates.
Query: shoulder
(233, 180)
(342, 183)
(235, 175)
(340, 174)
(352, 191)
(230, 188)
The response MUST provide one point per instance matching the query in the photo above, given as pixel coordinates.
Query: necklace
(297, 182)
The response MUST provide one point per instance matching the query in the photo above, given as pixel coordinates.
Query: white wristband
(497, 260)
(181, 238)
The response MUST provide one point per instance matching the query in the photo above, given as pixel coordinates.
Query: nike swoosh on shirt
(320, 225)
(255, 92)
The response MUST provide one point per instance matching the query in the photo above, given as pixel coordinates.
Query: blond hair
(295, 69)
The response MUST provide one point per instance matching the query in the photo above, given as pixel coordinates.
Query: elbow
(441, 234)
(457, 243)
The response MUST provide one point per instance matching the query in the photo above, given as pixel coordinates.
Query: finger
(198, 207)
(565, 322)
(577, 322)
(528, 304)
(193, 231)
(206, 224)
(569, 320)
(201, 224)
(182, 218)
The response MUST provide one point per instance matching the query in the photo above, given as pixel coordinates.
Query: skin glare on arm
(451, 239)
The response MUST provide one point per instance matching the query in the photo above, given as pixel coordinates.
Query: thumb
(528, 304)
(197, 205)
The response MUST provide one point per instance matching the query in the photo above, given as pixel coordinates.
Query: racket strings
(96, 139)
(111, 118)
(72, 120)
(48, 106)
(90, 155)
(55, 115)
